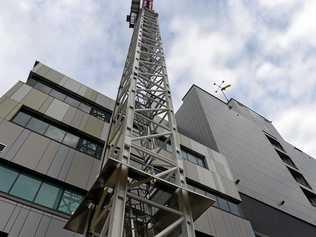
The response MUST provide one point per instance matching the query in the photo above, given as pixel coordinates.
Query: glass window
(84, 107)
(71, 140)
(72, 102)
(7, 178)
(223, 204)
(58, 95)
(41, 87)
(99, 151)
(22, 119)
(234, 208)
(88, 147)
(47, 195)
(25, 187)
(55, 133)
(69, 202)
(37, 125)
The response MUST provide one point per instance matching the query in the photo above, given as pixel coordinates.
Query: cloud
(265, 49)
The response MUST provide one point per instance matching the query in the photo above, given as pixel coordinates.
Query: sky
(265, 48)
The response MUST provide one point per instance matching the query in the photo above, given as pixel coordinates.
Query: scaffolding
(141, 190)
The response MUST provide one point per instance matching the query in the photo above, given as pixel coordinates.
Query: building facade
(276, 180)
(52, 134)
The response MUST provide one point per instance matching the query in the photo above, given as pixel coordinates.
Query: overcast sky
(265, 48)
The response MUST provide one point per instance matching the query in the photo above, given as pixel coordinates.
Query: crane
(141, 190)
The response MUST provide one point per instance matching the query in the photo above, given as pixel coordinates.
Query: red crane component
(149, 4)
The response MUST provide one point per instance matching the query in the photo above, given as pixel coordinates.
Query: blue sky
(265, 48)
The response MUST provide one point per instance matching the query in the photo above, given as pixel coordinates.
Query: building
(53, 130)
(276, 180)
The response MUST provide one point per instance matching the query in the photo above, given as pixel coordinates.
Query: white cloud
(297, 124)
(264, 48)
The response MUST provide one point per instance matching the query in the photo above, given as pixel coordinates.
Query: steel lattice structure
(141, 190)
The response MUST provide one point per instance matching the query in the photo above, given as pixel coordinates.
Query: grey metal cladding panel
(48, 157)
(9, 134)
(43, 226)
(305, 163)
(57, 110)
(228, 225)
(6, 210)
(273, 222)
(79, 171)
(105, 101)
(13, 89)
(31, 151)
(70, 115)
(19, 222)
(186, 117)
(57, 163)
(31, 224)
(12, 218)
(21, 93)
(79, 115)
(56, 228)
(63, 172)
(94, 172)
(71, 84)
(202, 224)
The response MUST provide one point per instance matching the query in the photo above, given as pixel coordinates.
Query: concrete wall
(240, 138)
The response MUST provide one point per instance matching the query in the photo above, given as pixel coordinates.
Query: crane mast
(141, 190)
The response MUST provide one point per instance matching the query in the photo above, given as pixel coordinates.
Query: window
(299, 178)
(7, 177)
(22, 119)
(48, 195)
(60, 94)
(274, 142)
(85, 145)
(35, 189)
(286, 159)
(2, 147)
(193, 157)
(221, 202)
(73, 102)
(71, 140)
(37, 125)
(69, 202)
(84, 107)
(55, 133)
(90, 148)
(43, 88)
(310, 196)
(101, 114)
(25, 187)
